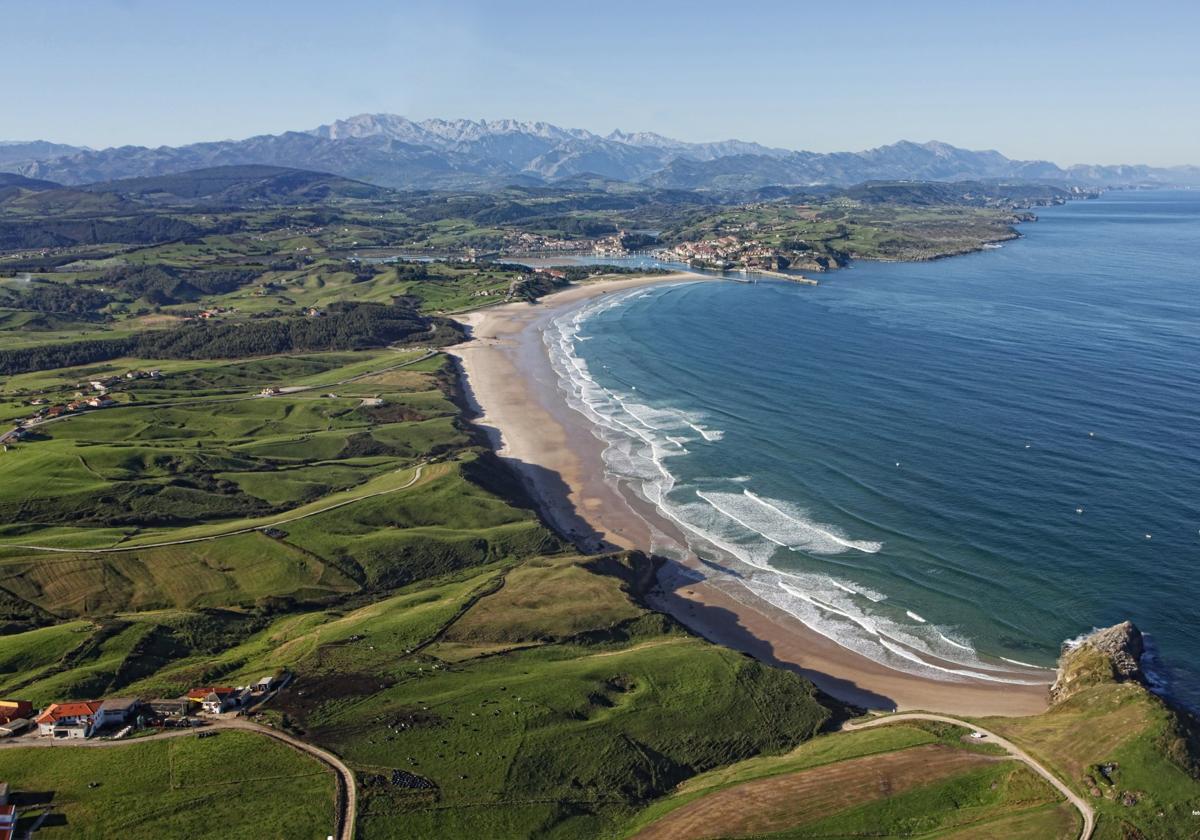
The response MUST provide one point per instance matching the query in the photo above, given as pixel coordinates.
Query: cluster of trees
(412, 270)
(569, 226)
(346, 326)
(61, 233)
(162, 284)
(56, 299)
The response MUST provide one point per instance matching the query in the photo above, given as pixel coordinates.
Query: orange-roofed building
(198, 694)
(68, 720)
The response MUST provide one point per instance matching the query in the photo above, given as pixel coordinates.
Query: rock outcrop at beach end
(1111, 654)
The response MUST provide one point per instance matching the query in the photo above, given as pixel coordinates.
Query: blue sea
(952, 467)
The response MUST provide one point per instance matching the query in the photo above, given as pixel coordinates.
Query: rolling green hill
(241, 186)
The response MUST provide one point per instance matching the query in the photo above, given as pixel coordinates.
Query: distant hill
(241, 185)
(34, 196)
(393, 151)
(9, 180)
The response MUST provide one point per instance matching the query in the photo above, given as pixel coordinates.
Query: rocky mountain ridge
(394, 151)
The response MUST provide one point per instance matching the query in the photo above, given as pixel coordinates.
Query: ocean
(952, 467)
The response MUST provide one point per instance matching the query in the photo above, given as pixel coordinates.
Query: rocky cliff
(1109, 654)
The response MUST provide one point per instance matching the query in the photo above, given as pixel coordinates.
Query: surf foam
(744, 529)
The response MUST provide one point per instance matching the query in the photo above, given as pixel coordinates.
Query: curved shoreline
(514, 389)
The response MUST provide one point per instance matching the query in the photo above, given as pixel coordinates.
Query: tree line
(345, 326)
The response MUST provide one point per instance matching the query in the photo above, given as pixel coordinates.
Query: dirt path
(346, 803)
(637, 647)
(1089, 814)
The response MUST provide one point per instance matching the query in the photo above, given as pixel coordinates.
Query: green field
(895, 781)
(236, 785)
(352, 527)
(563, 721)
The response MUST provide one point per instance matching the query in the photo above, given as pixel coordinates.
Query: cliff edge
(1111, 654)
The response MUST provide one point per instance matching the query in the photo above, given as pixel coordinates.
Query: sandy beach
(515, 392)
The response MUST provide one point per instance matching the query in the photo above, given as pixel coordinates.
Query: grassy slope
(237, 785)
(1122, 724)
(253, 463)
(526, 721)
(901, 780)
(552, 724)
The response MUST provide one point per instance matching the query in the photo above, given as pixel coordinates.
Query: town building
(173, 708)
(68, 720)
(117, 711)
(214, 699)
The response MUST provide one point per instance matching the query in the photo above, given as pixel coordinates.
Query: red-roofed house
(214, 699)
(68, 720)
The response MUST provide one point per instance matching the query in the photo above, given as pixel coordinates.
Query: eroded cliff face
(1110, 654)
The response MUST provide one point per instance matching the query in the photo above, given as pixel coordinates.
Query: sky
(1095, 82)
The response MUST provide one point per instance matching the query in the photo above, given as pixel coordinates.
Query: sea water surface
(972, 459)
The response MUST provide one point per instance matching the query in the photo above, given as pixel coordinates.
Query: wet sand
(515, 391)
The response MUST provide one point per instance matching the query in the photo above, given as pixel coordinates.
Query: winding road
(1085, 809)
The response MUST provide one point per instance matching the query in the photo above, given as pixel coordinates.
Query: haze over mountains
(393, 151)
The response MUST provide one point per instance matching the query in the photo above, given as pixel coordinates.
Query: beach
(515, 392)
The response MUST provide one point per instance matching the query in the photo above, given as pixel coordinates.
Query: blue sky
(1094, 82)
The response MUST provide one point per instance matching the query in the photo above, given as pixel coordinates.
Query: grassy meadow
(250, 786)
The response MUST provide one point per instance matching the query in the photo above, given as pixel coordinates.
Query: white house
(69, 720)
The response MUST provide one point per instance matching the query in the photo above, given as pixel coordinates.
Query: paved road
(346, 803)
(1089, 814)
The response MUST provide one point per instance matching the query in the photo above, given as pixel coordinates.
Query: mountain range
(393, 151)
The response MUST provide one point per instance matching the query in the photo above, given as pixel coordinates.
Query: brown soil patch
(781, 802)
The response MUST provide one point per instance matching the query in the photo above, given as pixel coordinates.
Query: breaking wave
(743, 531)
